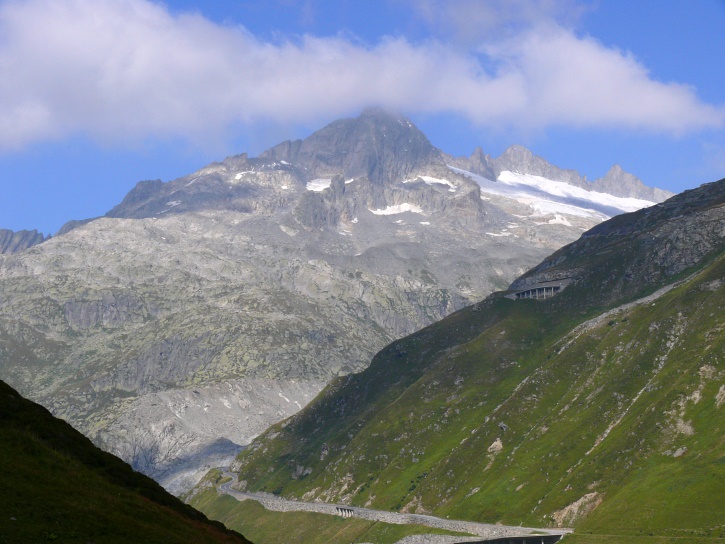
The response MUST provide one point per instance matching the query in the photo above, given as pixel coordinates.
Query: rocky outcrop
(479, 163)
(73, 224)
(106, 309)
(17, 241)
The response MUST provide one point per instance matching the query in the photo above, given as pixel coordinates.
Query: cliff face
(15, 242)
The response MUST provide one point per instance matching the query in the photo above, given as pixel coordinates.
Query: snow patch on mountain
(398, 208)
(240, 175)
(557, 220)
(549, 207)
(319, 184)
(429, 180)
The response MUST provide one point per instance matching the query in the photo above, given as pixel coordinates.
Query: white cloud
(575, 81)
(119, 70)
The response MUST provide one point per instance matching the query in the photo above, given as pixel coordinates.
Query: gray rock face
(17, 241)
(108, 310)
(73, 224)
(270, 276)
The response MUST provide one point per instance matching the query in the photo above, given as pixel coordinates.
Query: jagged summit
(618, 182)
(378, 148)
(377, 144)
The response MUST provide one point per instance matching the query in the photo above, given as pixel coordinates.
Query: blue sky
(96, 95)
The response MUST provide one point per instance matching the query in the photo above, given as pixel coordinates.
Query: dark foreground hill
(601, 408)
(57, 486)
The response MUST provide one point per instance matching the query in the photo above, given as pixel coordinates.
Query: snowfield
(550, 197)
(398, 208)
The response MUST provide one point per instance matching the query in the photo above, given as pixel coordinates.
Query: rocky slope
(59, 486)
(600, 407)
(16, 241)
(199, 311)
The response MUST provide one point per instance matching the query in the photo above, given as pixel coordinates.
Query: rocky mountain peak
(288, 269)
(618, 182)
(377, 144)
(517, 154)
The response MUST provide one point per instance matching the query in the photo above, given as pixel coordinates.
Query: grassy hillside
(583, 410)
(57, 486)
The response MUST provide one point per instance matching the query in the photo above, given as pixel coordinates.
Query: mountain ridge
(383, 147)
(370, 145)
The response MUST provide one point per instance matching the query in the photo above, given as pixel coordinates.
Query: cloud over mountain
(124, 70)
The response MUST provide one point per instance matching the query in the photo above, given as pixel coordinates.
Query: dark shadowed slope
(57, 486)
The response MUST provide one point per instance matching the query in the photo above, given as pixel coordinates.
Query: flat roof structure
(541, 290)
